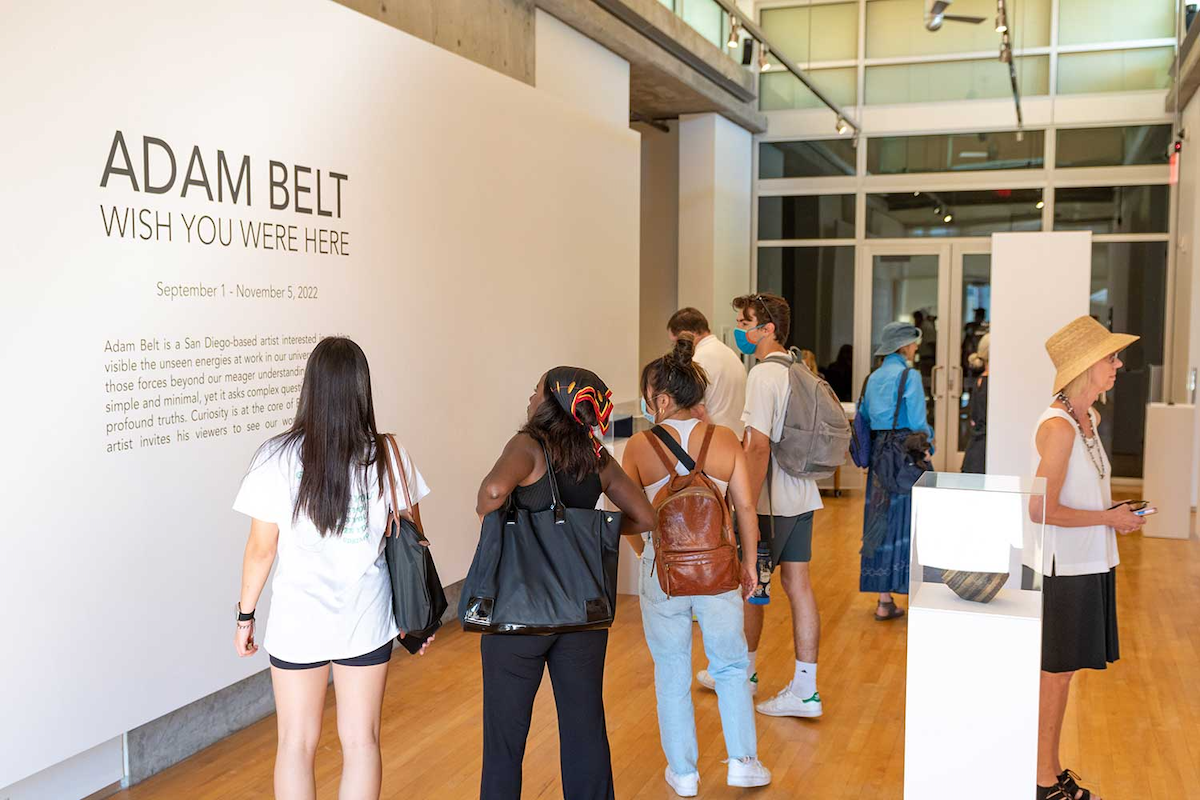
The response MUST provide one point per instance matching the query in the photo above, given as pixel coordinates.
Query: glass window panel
(1113, 209)
(970, 213)
(1115, 70)
(955, 152)
(1129, 294)
(780, 89)
(806, 159)
(1091, 21)
(806, 217)
(668, 3)
(1105, 147)
(955, 80)
(708, 18)
(897, 28)
(818, 283)
(814, 33)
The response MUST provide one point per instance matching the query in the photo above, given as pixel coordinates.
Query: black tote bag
(418, 599)
(549, 571)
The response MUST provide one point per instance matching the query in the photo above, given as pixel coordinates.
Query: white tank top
(1079, 551)
(684, 427)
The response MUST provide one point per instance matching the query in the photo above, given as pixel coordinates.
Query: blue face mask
(743, 341)
(646, 413)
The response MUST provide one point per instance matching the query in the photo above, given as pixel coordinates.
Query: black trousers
(512, 671)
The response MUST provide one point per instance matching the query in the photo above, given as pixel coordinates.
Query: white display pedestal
(1167, 476)
(971, 714)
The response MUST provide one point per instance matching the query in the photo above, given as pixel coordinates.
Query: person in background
(315, 496)
(725, 398)
(1079, 601)
(566, 404)
(672, 387)
(975, 456)
(886, 518)
(785, 509)
(809, 359)
(840, 374)
(972, 332)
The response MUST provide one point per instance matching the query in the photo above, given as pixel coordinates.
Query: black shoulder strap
(863, 391)
(688, 462)
(900, 397)
(560, 511)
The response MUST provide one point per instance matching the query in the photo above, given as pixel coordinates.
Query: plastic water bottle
(761, 595)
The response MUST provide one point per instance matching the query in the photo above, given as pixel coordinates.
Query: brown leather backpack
(694, 548)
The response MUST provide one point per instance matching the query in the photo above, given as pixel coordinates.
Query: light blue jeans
(667, 623)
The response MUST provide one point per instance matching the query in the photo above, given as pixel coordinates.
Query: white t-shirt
(725, 398)
(331, 597)
(767, 388)
(1077, 551)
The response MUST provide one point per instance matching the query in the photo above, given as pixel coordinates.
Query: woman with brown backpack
(690, 567)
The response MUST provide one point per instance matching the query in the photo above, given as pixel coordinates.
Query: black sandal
(1055, 792)
(1068, 781)
(892, 612)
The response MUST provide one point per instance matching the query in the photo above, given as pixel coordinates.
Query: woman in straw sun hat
(1079, 618)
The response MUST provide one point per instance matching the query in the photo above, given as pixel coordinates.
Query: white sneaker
(747, 772)
(708, 682)
(684, 785)
(789, 704)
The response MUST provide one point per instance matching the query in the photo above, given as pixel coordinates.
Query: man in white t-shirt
(785, 512)
(725, 399)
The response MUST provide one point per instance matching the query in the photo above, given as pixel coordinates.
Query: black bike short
(371, 659)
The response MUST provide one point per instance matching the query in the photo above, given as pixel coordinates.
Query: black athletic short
(371, 659)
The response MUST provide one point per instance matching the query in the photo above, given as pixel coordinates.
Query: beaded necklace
(1091, 443)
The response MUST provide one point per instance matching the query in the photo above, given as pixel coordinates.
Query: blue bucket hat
(897, 335)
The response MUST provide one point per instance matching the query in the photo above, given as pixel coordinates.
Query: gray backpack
(816, 433)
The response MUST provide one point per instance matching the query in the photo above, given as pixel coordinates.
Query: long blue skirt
(887, 569)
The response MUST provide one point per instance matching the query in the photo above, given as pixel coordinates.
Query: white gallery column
(715, 193)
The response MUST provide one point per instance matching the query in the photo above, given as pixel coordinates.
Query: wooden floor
(1132, 731)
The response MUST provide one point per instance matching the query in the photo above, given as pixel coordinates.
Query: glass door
(946, 291)
(910, 283)
(970, 317)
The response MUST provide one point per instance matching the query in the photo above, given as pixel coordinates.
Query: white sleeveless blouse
(1079, 551)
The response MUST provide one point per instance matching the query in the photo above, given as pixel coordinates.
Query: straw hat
(1079, 345)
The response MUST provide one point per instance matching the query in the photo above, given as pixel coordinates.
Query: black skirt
(1079, 622)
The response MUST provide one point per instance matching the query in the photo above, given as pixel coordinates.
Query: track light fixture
(1040, 204)
(735, 33)
(948, 218)
(764, 65)
(842, 126)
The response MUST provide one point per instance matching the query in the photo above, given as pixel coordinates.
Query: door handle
(933, 377)
(955, 387)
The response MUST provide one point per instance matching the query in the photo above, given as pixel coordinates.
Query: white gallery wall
(1040, 282)
(467, 230)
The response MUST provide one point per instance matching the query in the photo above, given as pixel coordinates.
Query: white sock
(750, 670)
(804, 681)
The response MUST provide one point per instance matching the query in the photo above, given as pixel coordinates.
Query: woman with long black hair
(566, 405)
(315, 495)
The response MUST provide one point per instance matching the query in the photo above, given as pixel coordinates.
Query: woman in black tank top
(564, 408)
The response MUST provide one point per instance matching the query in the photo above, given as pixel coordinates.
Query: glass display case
(977, 540)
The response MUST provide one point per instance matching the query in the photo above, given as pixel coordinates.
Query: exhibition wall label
(194, 197)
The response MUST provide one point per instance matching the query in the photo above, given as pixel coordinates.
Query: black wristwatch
(241, 616)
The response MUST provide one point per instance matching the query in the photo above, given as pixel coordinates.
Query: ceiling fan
(937, 15)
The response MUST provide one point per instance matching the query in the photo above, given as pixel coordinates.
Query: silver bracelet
(249, 624)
